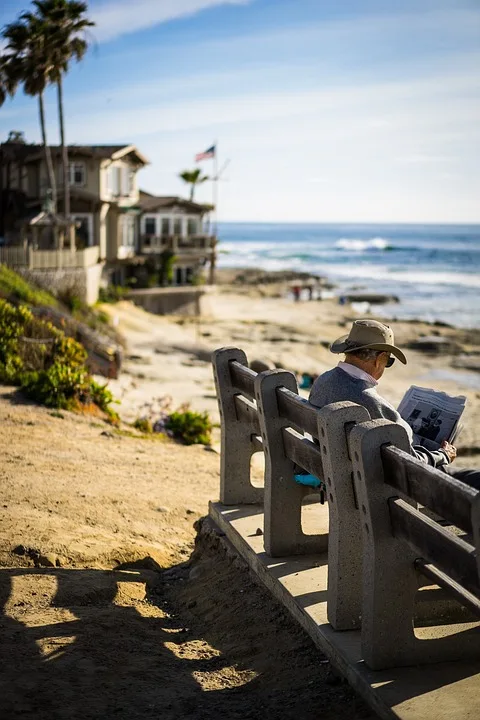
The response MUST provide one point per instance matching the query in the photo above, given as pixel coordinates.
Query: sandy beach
(169, 357)
(113, 605)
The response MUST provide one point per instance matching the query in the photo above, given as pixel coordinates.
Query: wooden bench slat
(439, 492)
(434, 544)
(247, 412)
(440, 578)
(303, 452)
(298, 411)
(243, 378)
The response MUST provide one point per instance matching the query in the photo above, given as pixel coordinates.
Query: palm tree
(26, 62)
(193, 178)
(7, 85)
(66, 24)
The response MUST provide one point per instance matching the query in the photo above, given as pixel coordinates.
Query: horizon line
(428, 223)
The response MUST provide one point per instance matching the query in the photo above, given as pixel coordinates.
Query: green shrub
(72, 302)
(112, 294)
(167, 263)
(46, 364)
(15, 287)
(190, 427)
(100, 318)
(143, 424)
(102, 397)
(57, 387)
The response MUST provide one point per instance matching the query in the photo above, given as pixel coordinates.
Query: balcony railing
(192, 244)
(48, 259)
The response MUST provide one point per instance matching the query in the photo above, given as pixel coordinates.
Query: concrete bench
(263, 412)
(401, 543)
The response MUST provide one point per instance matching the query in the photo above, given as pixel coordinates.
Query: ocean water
(433, 269)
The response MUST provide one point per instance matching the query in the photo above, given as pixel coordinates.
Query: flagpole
(215, 187)
(215, 211)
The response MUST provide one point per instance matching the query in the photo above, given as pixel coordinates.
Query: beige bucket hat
(368, 334)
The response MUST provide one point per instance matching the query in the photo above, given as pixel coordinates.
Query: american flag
(210, 153)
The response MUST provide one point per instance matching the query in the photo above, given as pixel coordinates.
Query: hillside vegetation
(46, 364)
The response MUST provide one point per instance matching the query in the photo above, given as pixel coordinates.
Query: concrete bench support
(283, 496)
(345, 535)
(236, 435)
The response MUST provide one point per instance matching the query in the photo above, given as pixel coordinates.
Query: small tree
(167, 261)
(193, 178)
(16, 136)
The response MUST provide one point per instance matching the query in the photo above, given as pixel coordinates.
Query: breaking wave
(358, 245)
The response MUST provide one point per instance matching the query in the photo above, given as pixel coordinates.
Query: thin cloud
(115, 18)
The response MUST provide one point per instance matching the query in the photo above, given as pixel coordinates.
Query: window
(77, 174)
(177, 226)
(192, 226)
(128, 231)
(150, 226)
(165, 227)
(125, 181)
(114, 180)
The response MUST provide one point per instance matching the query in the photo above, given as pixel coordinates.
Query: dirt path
(161, 635)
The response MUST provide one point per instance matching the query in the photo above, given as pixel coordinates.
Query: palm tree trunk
(48, 155)
(66, 179)
(192, 191)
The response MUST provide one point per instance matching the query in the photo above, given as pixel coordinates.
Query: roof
(100, 152)
(48, 219)
(149, 203)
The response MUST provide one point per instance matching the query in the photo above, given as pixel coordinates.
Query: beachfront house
(181, 228)
(102, 232)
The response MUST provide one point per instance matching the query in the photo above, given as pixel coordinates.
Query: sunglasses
(390, 362)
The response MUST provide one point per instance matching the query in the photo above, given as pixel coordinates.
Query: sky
(327, 110)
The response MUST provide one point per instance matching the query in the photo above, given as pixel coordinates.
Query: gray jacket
(337, 386)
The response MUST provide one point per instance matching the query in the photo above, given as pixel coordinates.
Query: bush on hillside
(45, 363)
(112, 293)
(143, 424)
(190, 427)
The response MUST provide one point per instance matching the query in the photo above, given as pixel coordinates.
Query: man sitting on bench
(369, 348)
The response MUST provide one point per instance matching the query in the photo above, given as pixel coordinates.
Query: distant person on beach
(369, 348)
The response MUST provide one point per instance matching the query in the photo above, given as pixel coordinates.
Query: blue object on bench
(309, 480)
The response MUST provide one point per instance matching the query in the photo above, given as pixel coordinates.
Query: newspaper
(433, 416)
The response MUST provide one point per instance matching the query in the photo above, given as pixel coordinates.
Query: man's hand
(450, 450)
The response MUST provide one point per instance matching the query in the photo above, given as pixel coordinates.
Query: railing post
(237, 447)
(344, 592)
(283, 496)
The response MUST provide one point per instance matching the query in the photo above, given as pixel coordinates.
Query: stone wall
(169, 301)
(82, 282)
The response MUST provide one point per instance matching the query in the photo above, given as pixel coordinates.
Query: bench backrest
(399, 540)
(439, 549)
